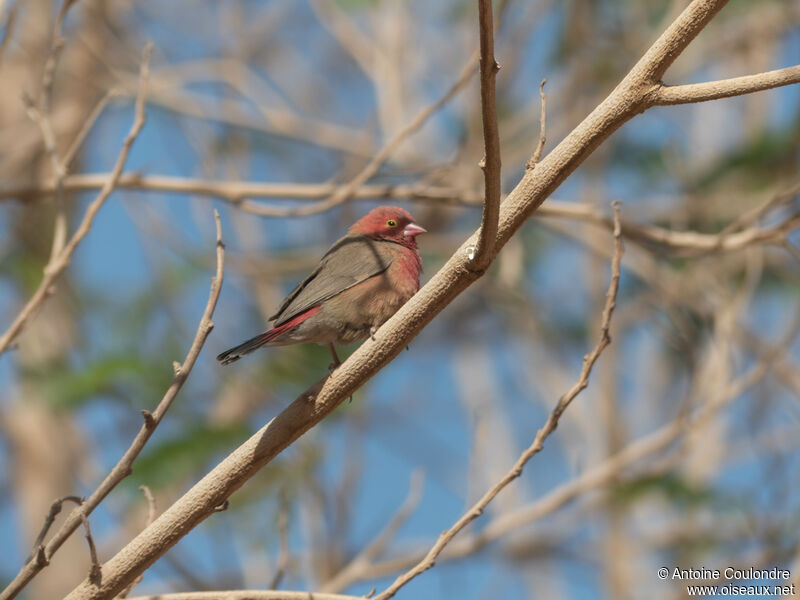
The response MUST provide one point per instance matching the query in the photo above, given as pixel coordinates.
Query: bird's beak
(413, 229)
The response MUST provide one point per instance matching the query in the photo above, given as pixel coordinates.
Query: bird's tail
(237, 352)
(263, 339)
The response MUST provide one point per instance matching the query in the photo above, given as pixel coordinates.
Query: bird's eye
(391, 223)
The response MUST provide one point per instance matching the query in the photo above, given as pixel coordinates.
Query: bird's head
(389, 223)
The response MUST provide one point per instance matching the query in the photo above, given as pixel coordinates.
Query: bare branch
(537, 154)
(233, 192)
(58, 263)
(491, 138)
(151, 504)
(55, 509)
(95, 571)
(88, 123)
(666, 95)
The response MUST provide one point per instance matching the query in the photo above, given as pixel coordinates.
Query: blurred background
(682, 451)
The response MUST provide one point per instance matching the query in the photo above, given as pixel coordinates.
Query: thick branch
(491, 138)
(725, 88)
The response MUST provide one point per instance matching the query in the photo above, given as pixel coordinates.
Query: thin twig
(538, 443)
(55, 509)
(491, 163)
(95, 571)
(537, 153)
(59, 263)
(88, 123)
(751, 216)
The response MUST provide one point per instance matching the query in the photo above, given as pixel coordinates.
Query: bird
(361, 281)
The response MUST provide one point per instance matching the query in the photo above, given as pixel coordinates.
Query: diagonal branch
(491, 138)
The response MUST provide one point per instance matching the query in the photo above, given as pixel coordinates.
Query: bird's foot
(336, 362)
(372, 331)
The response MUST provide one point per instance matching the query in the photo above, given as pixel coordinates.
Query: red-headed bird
(360, 282)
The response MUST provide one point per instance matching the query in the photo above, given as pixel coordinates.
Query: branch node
(149, 419)
(41, 556)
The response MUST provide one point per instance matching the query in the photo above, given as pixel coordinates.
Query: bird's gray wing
(351, 260)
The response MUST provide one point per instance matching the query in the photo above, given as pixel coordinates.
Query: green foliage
(675, 488)
(67, 387)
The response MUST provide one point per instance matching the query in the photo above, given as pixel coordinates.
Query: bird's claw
(372, 331)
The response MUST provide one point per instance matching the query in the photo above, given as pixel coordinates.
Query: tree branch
(666, 95)
(491, 138)
(537, 153)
